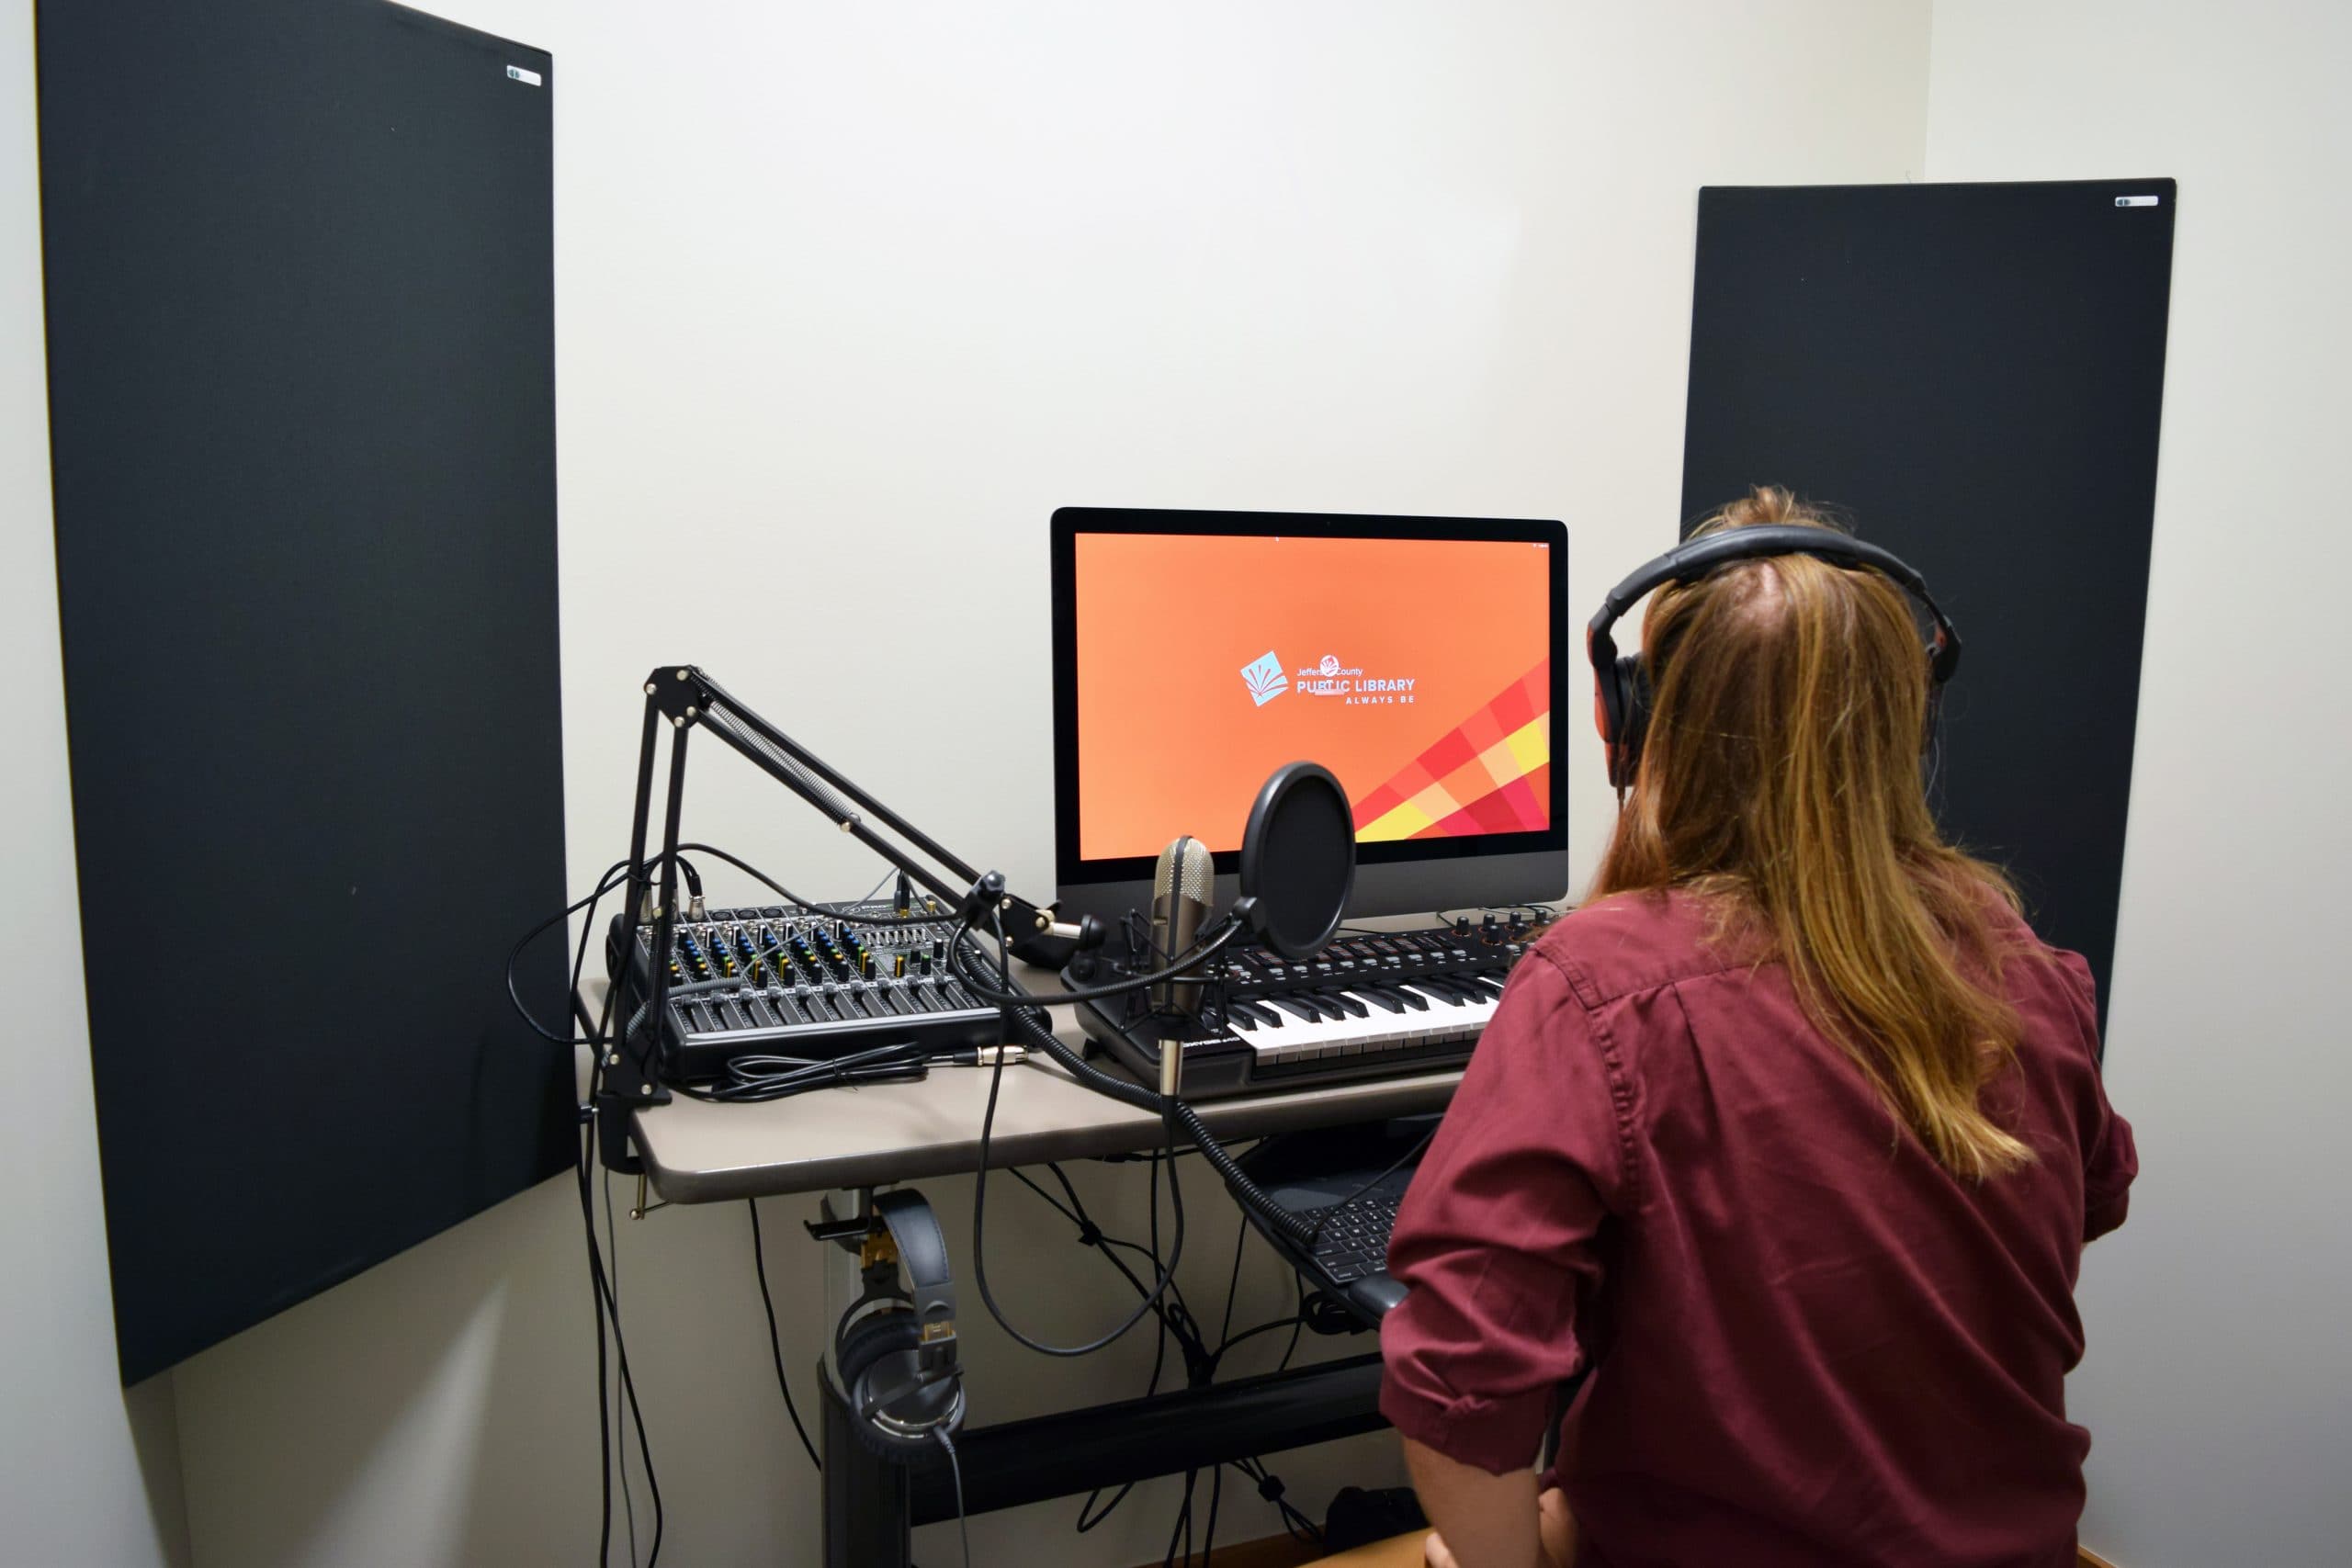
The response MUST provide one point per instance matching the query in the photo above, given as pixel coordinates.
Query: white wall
(87, 1470)
(849, 299)
(2218, 1382)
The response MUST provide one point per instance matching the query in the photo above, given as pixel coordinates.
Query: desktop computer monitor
(1419, 659)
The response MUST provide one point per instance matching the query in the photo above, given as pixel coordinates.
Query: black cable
(603, 1402)
(1183, 1528)
(595, 1284)
(1209, 947)
(980, 1222)
(1029, 1023)
(1170, 1324)
(607, 1307)
(1298, 1320)
(956, 1469)
(613, 1248)
(620, 1353)
(604, 885)
(751, 1080)
(1233, 1280)
(1323, 1216)
(1271, 1326)
(838, 911)
(776, 1346)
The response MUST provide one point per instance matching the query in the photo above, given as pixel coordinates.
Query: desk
(695, 1152)
(700, 1153)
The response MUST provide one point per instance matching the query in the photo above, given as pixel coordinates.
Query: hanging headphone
(1621, 686)
(894, 1352)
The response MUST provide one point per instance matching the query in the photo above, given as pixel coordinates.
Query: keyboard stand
(871, 1503)
(1306, 1171)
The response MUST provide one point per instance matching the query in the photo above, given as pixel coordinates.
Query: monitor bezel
(1074, 872)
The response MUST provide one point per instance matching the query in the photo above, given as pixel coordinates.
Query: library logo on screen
(1265, 677)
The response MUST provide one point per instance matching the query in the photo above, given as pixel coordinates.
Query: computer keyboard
(1346, 1183)
(1352, 1238)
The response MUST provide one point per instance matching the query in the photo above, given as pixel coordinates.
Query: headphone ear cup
(867, 1351)
(1630, 722)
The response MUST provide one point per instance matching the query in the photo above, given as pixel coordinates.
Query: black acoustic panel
(301, 305)
(1975, 372)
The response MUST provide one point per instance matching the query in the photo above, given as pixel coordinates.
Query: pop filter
(1298, 859)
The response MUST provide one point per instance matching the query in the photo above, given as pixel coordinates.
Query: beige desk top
(695, 1152)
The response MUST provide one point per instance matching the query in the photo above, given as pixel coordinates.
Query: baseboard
(1282, 1551)
(1273, 1551)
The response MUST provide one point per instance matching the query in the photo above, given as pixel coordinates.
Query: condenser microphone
(1181, 889)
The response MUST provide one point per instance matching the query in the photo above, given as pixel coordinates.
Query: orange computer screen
(1417, 670)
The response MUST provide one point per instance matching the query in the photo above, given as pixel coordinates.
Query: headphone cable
(956, 1469)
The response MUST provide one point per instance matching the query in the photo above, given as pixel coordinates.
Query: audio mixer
(790, 982)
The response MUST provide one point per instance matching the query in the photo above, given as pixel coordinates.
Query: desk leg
(867, 1514)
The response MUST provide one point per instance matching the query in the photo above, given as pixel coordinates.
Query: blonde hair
(1781, 777)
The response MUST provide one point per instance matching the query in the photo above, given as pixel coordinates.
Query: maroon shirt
(1811, 1344)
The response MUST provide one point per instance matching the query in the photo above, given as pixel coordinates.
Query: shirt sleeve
(1495, 1240)
(2107, 1184)
(2112, 1159)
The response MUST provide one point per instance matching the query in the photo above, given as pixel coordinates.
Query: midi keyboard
(1370, 1005)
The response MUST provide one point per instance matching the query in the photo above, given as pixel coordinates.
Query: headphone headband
(1620, 687)
(1701, 556)
(923, 1250)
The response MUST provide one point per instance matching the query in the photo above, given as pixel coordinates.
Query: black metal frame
(871, 1503)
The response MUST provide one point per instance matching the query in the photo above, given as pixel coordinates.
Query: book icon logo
(1264, 678)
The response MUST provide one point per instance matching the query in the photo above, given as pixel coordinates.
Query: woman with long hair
(1788, 1141)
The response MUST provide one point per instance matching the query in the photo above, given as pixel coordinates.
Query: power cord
(775, 1345)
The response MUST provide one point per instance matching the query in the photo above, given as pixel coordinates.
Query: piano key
(1257, 1012)
(1343, 1000)
(1399, 991)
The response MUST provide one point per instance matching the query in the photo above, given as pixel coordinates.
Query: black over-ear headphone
(1621, 686)
(894, 1353)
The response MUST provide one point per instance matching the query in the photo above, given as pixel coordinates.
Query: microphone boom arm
(688, 698)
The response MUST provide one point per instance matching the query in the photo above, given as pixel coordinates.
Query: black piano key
(1404, 993)
(1341, 999)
